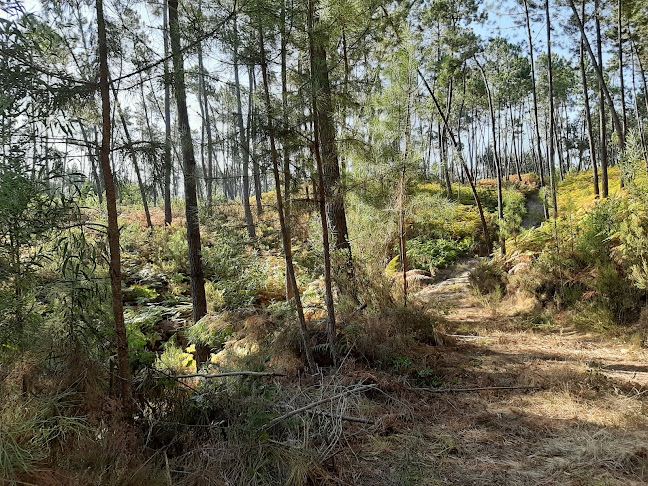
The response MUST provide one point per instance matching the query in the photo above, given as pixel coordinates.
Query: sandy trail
(583, 423)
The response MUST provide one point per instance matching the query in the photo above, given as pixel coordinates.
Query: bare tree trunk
(251, 137)
(469, 176)
(535, 104)
(113, 225)
(640, 124)
(189, 162)
(284, 115)
(285, 232)
(498, 166)
(602, 124)
(131, 151)
(624, 112)
(588, 115)
(551, 141)
(332, 180)
(168, 215)
(598, 67)
(328, 279)
(244, 141)
(209, 173)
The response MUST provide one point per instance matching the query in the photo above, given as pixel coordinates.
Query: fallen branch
(627, 372)
(463, 336)
(345, 417)
(487, 388)
(227, 375)
(276, 420)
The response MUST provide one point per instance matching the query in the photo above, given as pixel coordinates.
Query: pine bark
(123, 361)
(189, 164)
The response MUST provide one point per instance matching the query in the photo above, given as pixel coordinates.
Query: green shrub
(431, 254)
(211, 330)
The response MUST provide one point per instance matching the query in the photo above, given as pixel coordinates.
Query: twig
(345, 417)
(276, 420)
(463, 336)
(487, 388)
(627, 372)
(226, 375)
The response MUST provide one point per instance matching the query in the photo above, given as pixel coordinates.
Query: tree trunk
(189, 163)
(624, 112)
(251, 137)
(602, 124)
(168, 216)
(285, 232)
(131, 151)
(113, 225)
(535, 104)
(498, 166)
(284, 115)
(598, 67)
(588, 115)
(551, 141)
(244, 141)
(469, 176)
(328, 279)
(209, 173)
(93, 163)
(333, 185)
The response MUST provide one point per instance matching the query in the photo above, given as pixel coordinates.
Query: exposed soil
(535, 211)
(578, 416)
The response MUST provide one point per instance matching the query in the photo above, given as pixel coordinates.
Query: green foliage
(597, 229)
(211, 330)
(175, 359)
(140, 294)
(514, 212)
(142, 335)
(431, 254)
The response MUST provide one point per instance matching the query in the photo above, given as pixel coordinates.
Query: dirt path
(535, 211)
(580, 421)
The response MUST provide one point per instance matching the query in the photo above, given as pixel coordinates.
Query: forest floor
(575, 413)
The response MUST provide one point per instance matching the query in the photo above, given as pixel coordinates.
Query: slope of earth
(572, 410)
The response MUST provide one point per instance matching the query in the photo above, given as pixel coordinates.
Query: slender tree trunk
(588, 115)
(285, 232)
(598, 68)
(204, 95)
(534, 91)
(113, 226)
(640, 124)
(328, 279)
(284, 115)
(332, 180)
(498, 166)
(131, 151)
(168, 215)
(469, 175)
(189, 163)
(244, 141)
(518, 168)
(251, 137)
(602, 124)
(621, 76)
(551, 141)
